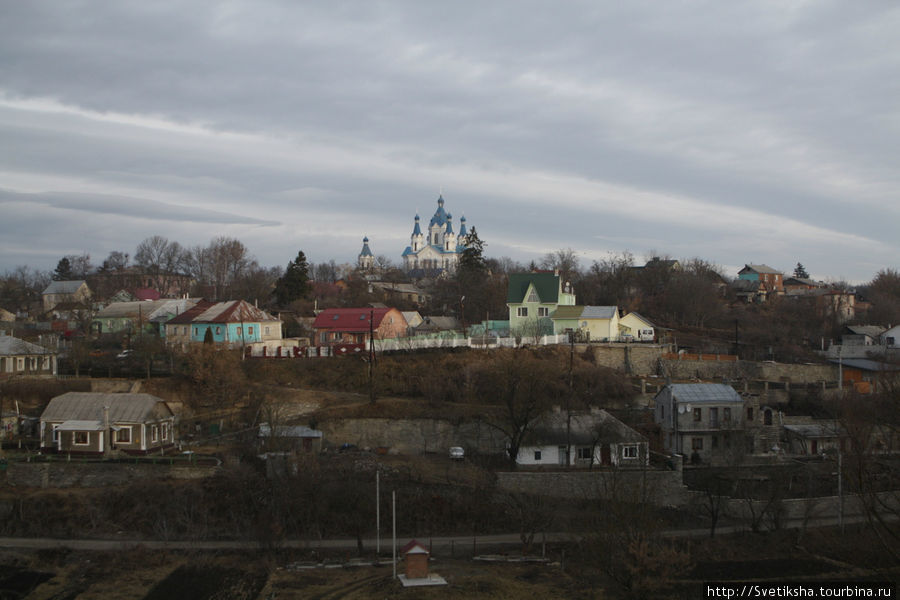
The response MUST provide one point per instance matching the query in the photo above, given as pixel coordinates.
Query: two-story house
(702, 421)
(771, 282)
(532, 297)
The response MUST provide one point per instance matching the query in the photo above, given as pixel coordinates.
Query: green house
(532, 297)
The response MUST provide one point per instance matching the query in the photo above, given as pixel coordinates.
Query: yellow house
(635, 327)
(591, 323)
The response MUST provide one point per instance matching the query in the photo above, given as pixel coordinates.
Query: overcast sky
(739, 132)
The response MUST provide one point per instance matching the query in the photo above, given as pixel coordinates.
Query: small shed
(416, 555)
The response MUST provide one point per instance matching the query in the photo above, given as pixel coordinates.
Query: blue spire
(365, 249)
(416, 230)
(449, 224)
(463, 232)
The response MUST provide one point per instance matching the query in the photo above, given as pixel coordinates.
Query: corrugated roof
(872, 331)
(187, 316)
(567, 312)
(865, 364)
(760, 269)
(288, 431)
(130, 310)
(816, 430)
(13, 346)
(88, 406)
(599, 312)
(704, 392)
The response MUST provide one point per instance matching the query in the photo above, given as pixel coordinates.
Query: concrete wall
(413, 436)
(97, 474)
(663, 488)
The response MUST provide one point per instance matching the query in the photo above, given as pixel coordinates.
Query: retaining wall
(413, 436)
(664, 488)
(97, 474)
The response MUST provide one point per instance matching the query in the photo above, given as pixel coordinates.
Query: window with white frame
(584, 453)
(81, 438)
(630, 451)
(522, 311)
(697, 443)
(165, 431)
(154, 433)
(537, 455)
(249, 331)
(543, 311)
(55, 433)
(123, 435)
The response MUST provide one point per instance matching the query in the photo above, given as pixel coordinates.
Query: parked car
(124, 354)
(457, 453)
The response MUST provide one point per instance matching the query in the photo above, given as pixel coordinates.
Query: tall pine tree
(294, 284)
(800, 272)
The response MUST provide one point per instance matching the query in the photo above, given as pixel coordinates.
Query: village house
(532, 297)
(97, 424)
(18, 357)
(139, 316)
(582, 439)
(289, 438)
(701, 421)
(589, 323)
(637, 327)
(233, 323)
(338, 326)
(71, 293)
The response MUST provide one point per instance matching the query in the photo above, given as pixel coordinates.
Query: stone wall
(97, 474)
(633, 359)
(664, 488)
(413, 436)
(750, 370)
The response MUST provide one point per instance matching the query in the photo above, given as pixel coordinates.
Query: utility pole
(377, 512)
(569, 400)
(372, 356)
(394, 509)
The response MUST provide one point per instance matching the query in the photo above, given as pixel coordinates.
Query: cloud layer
(763, 133)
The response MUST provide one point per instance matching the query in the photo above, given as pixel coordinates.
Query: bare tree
(160, 259)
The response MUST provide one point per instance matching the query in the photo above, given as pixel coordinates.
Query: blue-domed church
(435, 250)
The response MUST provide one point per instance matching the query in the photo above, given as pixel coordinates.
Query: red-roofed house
(336, 326)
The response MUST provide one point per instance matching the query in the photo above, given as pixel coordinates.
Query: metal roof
(759, 269)
(584, 428)
(816, 430)
(64, 287)
(599, 312)
(704, 392)
(865, 364)
(76, 425)
(123, 408)
(545, 284)
(13, 346)
(288, 431)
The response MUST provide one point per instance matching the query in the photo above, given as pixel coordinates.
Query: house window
(196, 331)
(726, 414)
(537, 455)
(696, 443)
(218, 330)
(267, 331)
(123, 436)
(749, 413)
(81, 438)
(240, 332)
(249, 331)
(629, 451)
(715, 442)
(522, 311)
(543, 311)
(698, 414)
(165, 431)
(154, 433)
(584, 453)
(55, 433)
(323, 336)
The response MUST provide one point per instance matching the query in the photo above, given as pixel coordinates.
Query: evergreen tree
(294, 284)
(471, 261)
(63, 270)
(800, 272)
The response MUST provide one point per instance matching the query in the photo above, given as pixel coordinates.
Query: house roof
(816, 430)
(232, 311)
(350, 319)
(546, 285)
(759, 269)
(438, 323)
(583, 428)
(585, 312)
(864, 364)
(640, 317)
(288, 431)
(64, 287)
(129, 310)
(803, 281)
(698, 393)
(147, 294)
(414, 547)
(88, 406)
(80, 425)
(13, 346)
(873, 331)
(187, 316)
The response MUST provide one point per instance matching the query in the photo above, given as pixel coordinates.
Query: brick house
(337, 326)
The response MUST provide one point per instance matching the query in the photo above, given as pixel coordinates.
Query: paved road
(458, 541)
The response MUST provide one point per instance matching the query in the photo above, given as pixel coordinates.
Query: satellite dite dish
(681, 408)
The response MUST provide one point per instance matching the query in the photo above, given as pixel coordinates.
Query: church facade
(432, 251)
(436, 249)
